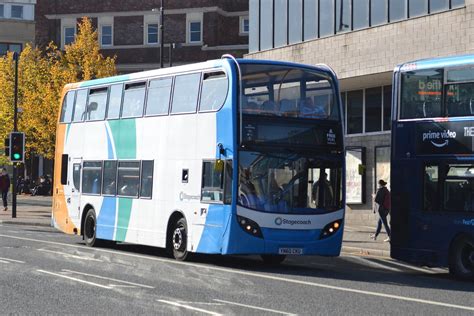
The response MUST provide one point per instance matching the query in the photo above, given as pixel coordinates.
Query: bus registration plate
(290, 251)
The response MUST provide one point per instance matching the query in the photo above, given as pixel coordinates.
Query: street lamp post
(16, 58)
(162, 43)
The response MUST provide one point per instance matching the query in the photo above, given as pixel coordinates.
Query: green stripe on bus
(125, 138)
(124, 211)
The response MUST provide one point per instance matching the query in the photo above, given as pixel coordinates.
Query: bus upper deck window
(96, 104)
(214, 91)
(186, 92)
(115, 101)
(133, 99)
(421, 94)
(68, 106)
(80, 106)
(159, 95)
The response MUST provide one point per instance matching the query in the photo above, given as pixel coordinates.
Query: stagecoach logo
(439, 139)
(283, 221)
(331, 137)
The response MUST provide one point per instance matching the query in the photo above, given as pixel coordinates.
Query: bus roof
(439, 62)
(185, 68)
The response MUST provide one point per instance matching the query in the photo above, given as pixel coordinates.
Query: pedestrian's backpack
(387, 200)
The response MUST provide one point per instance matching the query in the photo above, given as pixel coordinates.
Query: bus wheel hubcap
(177, 238)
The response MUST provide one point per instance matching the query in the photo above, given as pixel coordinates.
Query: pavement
(36, 211)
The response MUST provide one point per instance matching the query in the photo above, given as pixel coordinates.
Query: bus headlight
(249, 226)
(330, 229)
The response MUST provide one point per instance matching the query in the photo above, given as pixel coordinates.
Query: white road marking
(70, 256)
(2, 261)
(110, 279)
(374, 264)
(255, 307)
(254, 274)
(12, 260)
(190, 307)
(75, 279)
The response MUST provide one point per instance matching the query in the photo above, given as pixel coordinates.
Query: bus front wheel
(89, 229)
(461, 259)
(179, 240)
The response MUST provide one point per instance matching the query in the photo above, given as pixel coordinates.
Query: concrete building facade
(17, 25)
(362, 40)
(199, 29)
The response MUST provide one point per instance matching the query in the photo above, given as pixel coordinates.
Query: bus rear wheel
(273, 260)
(179, 240)
(461, 259)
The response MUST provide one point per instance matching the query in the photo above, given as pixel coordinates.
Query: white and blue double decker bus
(432, 178)
(222, 157)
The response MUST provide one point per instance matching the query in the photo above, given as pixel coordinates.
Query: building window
(355, 105)
(17, 12)
(360, 14)
(378, 12)
(398, 10)
(343, 15)
(9, 47)
(295, 21)
(438, 5)
(368, 111)
(310, 19)
(69, 34)
(106, 35)
(457, 3)
(254, 27)
(266, 24)
(281, 28)
(387, 108)
(244, 24)
(2, 10)
(418, 7)
(195, 32)
(373, 110)
(152, 33)
(326, 18)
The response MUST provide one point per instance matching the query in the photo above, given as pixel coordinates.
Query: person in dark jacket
(382, 205)
(4, 187)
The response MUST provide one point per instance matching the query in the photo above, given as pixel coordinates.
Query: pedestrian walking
(382, 205)
(4, 187)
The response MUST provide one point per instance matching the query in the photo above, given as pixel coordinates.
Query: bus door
(73, 188)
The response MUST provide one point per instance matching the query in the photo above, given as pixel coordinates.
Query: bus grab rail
(229, 56)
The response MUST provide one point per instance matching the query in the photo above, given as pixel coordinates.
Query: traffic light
(17, 147)
(7, 147)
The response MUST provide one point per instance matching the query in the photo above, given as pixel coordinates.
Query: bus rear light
(249, 226)
(330, 229)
